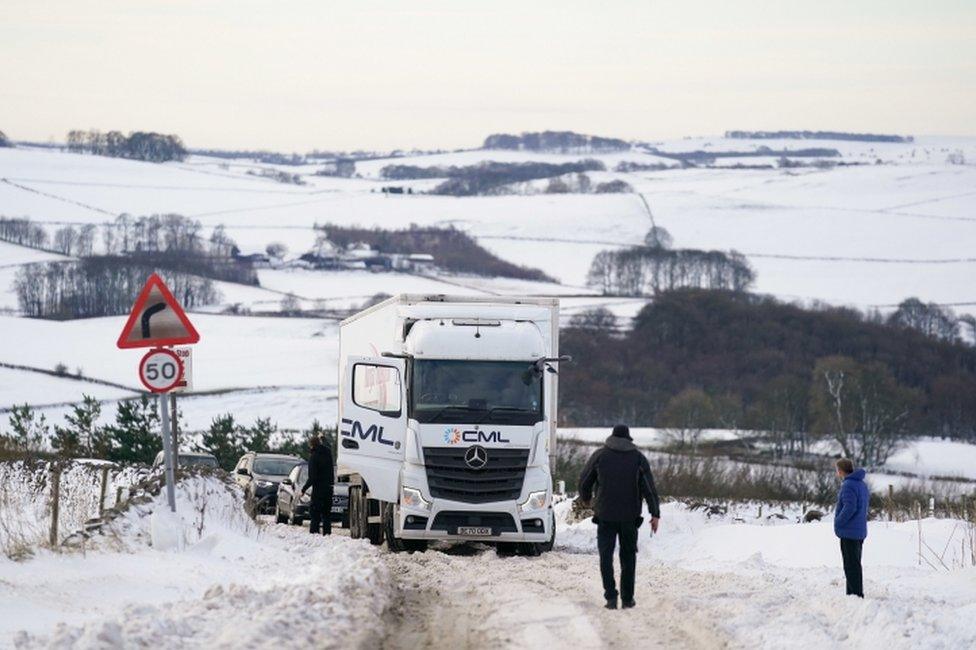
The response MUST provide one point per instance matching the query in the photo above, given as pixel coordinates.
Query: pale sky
(294, 75)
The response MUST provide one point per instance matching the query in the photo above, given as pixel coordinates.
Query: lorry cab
(447, 420)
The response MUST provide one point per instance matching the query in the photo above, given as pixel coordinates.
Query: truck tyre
(374, 532)
(355, 517)
(395, 544)
(545, 547)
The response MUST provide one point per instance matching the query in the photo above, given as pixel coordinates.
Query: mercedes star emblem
(476, 457)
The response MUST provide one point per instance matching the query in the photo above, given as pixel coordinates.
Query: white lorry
(447, 420)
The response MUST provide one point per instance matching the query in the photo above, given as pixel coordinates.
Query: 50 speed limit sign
(160, 370)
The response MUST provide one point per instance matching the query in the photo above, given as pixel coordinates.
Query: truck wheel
(506, 549)
(374, 532)
(545, 547)
(529, 549)
(355, 520)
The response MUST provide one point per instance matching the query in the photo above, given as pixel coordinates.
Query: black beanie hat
(621, 431)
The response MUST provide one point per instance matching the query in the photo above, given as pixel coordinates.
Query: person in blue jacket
(851, 522)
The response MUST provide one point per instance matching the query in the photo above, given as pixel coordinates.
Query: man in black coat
(321, 475)
(622, 478)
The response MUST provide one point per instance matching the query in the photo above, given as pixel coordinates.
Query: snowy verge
(765, 580)
(205, 577)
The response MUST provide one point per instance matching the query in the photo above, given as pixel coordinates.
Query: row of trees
(649, 270)
(561, 141)
(138, 145)
(817, 135)
(715, 359)
(23, 232)
(99, 286)
(488, 177)
(453, 249)
(133, 435)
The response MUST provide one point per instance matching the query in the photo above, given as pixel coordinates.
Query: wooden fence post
(55, 503)
(118, 497)
(101, 492)
(891, 502)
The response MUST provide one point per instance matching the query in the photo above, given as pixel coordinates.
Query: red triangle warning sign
(157, 319)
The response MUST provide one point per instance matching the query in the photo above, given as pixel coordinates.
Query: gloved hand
(654, 523)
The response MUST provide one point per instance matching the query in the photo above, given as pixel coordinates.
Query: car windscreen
(273, 466)
(473, 392)
(198, 461)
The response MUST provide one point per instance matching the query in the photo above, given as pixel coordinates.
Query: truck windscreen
(474, 392)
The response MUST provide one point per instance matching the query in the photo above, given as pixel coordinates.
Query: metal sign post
(157, 319)
(168, 460)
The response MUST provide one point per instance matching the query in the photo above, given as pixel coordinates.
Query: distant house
(256, 260)
(363, 256)
(413, 263)
(342, 167)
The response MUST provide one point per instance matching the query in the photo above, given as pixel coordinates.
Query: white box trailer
(447, 420)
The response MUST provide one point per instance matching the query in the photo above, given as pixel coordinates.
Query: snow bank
(693, 539)
(330, 597)
(207, 576)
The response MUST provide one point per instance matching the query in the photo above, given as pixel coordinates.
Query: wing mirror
(286, 481)
(243, 471)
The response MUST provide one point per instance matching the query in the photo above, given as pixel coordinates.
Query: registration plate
(475, 531)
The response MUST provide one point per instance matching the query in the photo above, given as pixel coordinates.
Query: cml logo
(453, 435)
(354, 429)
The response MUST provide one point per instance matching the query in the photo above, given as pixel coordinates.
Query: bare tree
(861, 407)
(685, 416)
(658, 237)
(930, 319)
(65, 239)
(277, 250)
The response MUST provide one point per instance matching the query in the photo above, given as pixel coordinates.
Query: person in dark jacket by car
(321, 475)
(851, 523)
(621, 477)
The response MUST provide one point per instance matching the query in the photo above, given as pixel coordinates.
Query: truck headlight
(536, 501)
(412, 498)
(264, 484)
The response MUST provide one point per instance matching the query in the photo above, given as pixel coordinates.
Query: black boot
(611, 603)
(627, 604)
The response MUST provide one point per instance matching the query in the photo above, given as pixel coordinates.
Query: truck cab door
(372, 411)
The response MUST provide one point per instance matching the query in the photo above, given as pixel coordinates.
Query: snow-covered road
(463, 600)
(736, 581)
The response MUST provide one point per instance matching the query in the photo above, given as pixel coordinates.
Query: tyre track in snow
(477, 599)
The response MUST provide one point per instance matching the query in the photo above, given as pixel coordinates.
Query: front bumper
(505, 520)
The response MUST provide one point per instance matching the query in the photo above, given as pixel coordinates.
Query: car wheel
(280, 518)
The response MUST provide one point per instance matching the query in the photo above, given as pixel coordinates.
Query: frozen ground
(214, 579)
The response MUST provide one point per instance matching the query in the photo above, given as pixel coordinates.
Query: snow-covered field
(212, 578)
(922, 205)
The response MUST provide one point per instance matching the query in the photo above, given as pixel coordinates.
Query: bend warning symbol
(157, 319)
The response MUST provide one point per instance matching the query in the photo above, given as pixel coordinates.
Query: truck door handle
(350, 444)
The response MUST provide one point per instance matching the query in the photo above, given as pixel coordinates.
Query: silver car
(293, 508)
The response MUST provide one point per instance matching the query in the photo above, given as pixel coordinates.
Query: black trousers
(607, 533)
(320, 511)
(850, 550)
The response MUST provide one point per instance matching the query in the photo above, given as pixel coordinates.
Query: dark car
(291, 507)
(190, 459)
(259, 474)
